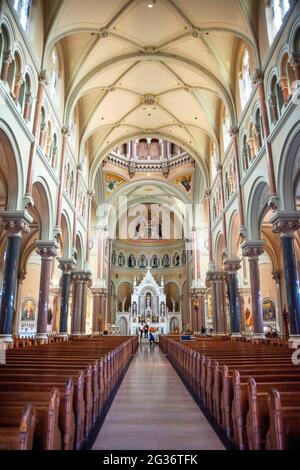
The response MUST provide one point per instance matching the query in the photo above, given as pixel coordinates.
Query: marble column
(79, 170)
(85, 284)
(211, 279)
(27, 106)
(220, 279)
(21, 276)
(104, 307)
(258, 79)
(252, 250)
(65, 135)
(66, 265)
(97, 315)
(76, 302)
(7, 60)
(295, 63)
(18, 83)
(32, 155)
(234, 134)
(286, 223)
(47, 250)
(277, 278)
(15, 223)
(232, 265)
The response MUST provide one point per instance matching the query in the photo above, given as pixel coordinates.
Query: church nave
(153, 410)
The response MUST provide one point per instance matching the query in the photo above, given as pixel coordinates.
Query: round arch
(257, 208)
(12, 167)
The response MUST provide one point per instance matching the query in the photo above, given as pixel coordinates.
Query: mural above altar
(148, 305)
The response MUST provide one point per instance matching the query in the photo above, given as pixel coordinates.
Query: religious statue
(123, 304)
(148, 300)
(285, 315)
(134, 308)
(173, 304)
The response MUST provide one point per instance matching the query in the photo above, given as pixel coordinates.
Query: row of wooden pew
(251, 391)
(53, 396)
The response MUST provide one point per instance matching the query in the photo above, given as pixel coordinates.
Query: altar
(148, 305)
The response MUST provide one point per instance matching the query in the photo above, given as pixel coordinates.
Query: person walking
(141, 330)
(146, 329)
(151, 338)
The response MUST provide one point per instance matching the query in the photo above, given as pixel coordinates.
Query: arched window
(42, 128)
(213, 161)
(245, 78)
(276, 100)
(245, 153)
(48, 140)
(23, 8)
(258, 130)
(226, 128)
(54, 70)
(27, 101)
(276, 11)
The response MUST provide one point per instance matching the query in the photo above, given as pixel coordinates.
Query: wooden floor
(153, 410)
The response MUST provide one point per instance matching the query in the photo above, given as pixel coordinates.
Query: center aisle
(153, 410)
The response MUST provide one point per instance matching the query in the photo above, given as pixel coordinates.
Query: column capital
(65, 131)
(67, 264)
(258, 76)
(285, 222)
(215, 276)
(19, 79)
(252, 249)
(276, 276)
(43, 78)
(232, 265)
(8, 57)
(22, 275)
(234, 131)
(48, 249)
(16, 223)
(82, 276)
(90, 193)
(295, 61)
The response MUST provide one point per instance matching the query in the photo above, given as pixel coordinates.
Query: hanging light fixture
(151, 3)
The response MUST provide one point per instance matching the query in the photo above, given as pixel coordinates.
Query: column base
(62, 335)
(259, 336)
(236, 335)
(41, 336)
(294, 341)
(5, 338)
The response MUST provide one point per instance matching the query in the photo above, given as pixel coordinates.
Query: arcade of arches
(149, 168)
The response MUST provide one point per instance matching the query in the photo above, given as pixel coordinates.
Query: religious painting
(28, 310)
(112, 182)
(269, 310)
(184, 182)
(248, 318)
(209, 305)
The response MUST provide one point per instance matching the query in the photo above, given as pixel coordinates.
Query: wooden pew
(257, 421)
(17, 427)
(46, 435)
(66, 415)
(284, 415)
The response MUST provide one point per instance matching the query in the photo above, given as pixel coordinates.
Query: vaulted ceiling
(133, 70)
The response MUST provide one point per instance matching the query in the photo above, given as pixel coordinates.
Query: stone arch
(11, 168)
(172, 291)
(257, 208)
(124, 291)
(234, 236)
(289, 170)
(219, 250)
(79, 251)
(44, 205)
(65, 235)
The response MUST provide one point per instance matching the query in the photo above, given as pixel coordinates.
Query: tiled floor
(153, 410)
